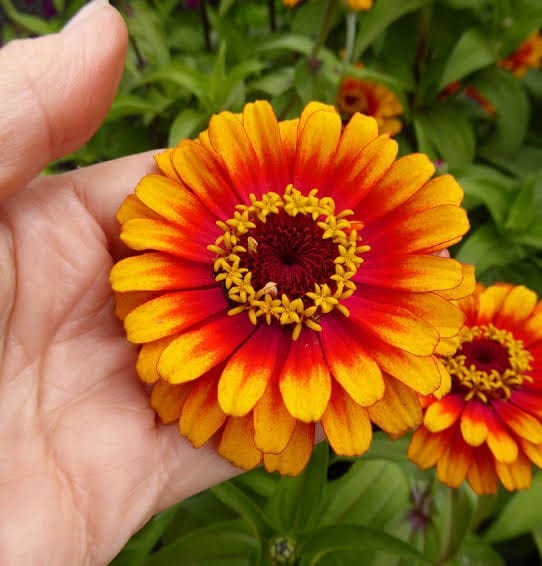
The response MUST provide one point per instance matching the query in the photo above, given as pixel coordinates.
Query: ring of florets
(238, 262)
(512, 363)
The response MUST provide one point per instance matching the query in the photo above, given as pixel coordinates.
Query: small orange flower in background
(527, 56)
(469, 91)
(373, 99)
(489, 427)
(287, 275)
(357, 5)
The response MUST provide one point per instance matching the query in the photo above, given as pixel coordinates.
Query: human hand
(83, 462)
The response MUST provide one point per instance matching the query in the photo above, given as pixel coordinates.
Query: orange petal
(410, 272)
(197, 351)
(418, 231)
(358, 133)
(175, 203)
(394, 325)
(532, 451)
(263, 132)
(310, 109)
(171, 313)
(229, 139)
(132, 208)
(168, 400)
(349, 362)
(273, 424)
(201, 415)
(529, 401)
(305, 382)
(516, 475)
(346, 425)
(500, 442)
(399, 411)
(402, 180)
(445, 380)
(516, 308)
(474, 423)
(442, 414)
(490, 301)
(237, 443)
(520, 422)
(482, 476)
(249, 370)
(288, 134)
(422, 374)
(158, 272)
(316, 145)
(125, 303)
(147, 360)
(293, 459)
(464, 289)
(443, 315)
(426, 448)
(203, 174)
(443, 189)
(352, 186)
(455, 461)
(143, 234)
(163, 160)
(531, 330)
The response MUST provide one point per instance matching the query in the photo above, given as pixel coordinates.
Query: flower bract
(488, 428)
(286, 274)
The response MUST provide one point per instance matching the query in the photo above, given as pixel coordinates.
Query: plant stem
(325, 27)
(351, 23)
(205, 24)
(272, 16)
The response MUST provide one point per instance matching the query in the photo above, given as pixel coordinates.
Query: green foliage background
(182, 68)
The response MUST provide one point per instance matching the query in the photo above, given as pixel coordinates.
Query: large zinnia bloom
(489, 426)
(288, 276)
(527, 56)
(373, 99)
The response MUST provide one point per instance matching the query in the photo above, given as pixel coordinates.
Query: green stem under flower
(325, 27)
(351, 25)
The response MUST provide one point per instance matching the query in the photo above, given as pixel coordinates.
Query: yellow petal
(293, 459)
(237, 443)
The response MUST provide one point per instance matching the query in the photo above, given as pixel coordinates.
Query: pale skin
(83, 461)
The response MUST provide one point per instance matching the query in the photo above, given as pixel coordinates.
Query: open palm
(83, 461)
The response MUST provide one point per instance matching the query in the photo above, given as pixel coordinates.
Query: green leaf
(296, 504)
(471, 53)
(141, 544)
(507, 95)
(147, 31)
(192, 81)
(489, 187)
(130, 105)
(477, 553)
(486, 248)
(328, 541)
(446, 133)
(249, 510)
(187, 123)
(220, 544)
(523, 209)
(455, 508)
(275, 83)
(33, 24)
(520, 515)
(371, 493)
(288, 42)
(374, 22)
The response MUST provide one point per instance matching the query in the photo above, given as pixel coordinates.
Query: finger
(104, 186)
(55, 91)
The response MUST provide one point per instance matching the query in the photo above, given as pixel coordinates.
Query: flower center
(288, 259)
(489, 364)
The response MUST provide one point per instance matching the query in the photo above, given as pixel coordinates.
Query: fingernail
(85, 12)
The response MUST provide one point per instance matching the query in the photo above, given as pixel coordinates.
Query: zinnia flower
(527, 56)
(287, 276)
(373, 99)
(489, 428)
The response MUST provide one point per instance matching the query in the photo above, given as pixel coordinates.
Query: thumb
(55, 91)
